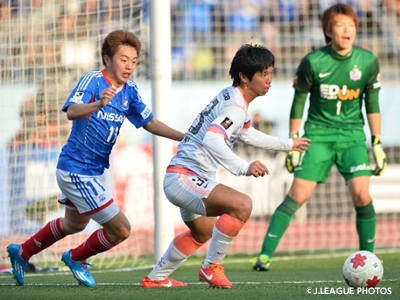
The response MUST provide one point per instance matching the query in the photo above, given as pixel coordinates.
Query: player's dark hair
(116, 38)
(248, 60)
(330, 13)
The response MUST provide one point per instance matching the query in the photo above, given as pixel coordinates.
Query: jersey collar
(337, 56)
(242, 93)
(109, 82)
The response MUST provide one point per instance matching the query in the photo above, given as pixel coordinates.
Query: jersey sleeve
(304, 76)
(228, 121)
(302, 84)
(298, 104)
(256, 138)
(372, 88)
(84, 91)
(139, 114)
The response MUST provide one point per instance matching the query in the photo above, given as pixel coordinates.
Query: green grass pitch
(316, 276)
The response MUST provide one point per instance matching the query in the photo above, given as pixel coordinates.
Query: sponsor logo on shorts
(362, 167)
(102, 198)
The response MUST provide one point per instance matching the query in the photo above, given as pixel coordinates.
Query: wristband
(375, 140)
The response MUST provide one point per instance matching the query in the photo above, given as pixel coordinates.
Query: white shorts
(187, 192)
(87, 194)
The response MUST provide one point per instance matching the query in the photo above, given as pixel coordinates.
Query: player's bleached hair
(330, 13)
(248, 60)
(116, 38)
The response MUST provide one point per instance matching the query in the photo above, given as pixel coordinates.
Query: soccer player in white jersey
(98, 106)
(190, 182)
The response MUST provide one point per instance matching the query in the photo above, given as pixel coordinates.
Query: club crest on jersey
(355, 74)
(125, 104)
(226, 123)
(77, 98)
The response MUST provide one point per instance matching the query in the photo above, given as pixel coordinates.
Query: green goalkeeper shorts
(351, 159)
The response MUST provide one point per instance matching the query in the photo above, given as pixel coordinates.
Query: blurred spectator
(292, 10)
(38, 35)
(42, 122)
(67, 22)
(5, 27)
(243, 16)
(35, 145)
(391, 9)
(197, 18)
(242, 19)
(269, 26)
(194, 37)
(203, 62)
(5, 11)
(241, 25)
(112, 19)
(259, 123)
(293, 13)
(393, 6)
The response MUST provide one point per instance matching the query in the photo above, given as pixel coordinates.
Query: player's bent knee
(124, 232)
(247, 205)
(202, 237)
(243, 210)
(118, 235)
(71, 228)
(362, 202)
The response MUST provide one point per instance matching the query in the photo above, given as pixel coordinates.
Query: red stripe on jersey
(247, 125)
(91, 101)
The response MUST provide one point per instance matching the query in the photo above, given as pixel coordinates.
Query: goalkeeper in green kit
(341, 78)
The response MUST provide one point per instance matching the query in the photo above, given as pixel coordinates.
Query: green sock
(280, 221)
(366, 225)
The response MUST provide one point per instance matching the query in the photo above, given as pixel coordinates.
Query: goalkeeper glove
(379, 155)
(292, 157)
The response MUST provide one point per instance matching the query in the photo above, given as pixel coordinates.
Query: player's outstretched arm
(157, 127)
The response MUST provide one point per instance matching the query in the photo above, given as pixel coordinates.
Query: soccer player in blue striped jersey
(340, 79)
(98, 106)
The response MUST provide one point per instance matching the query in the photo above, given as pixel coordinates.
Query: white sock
(168, 263)
(219, 247)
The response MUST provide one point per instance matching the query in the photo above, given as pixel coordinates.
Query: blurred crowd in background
(52, 43)
(40, 38)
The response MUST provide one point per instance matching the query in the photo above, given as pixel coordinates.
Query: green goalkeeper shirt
(338, 86)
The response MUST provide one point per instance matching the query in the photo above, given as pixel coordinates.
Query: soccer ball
(362, 269)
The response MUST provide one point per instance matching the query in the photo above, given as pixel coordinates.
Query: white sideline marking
(196, 283)
(227, 260)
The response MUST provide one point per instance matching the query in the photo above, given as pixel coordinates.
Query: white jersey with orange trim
(211, 136)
